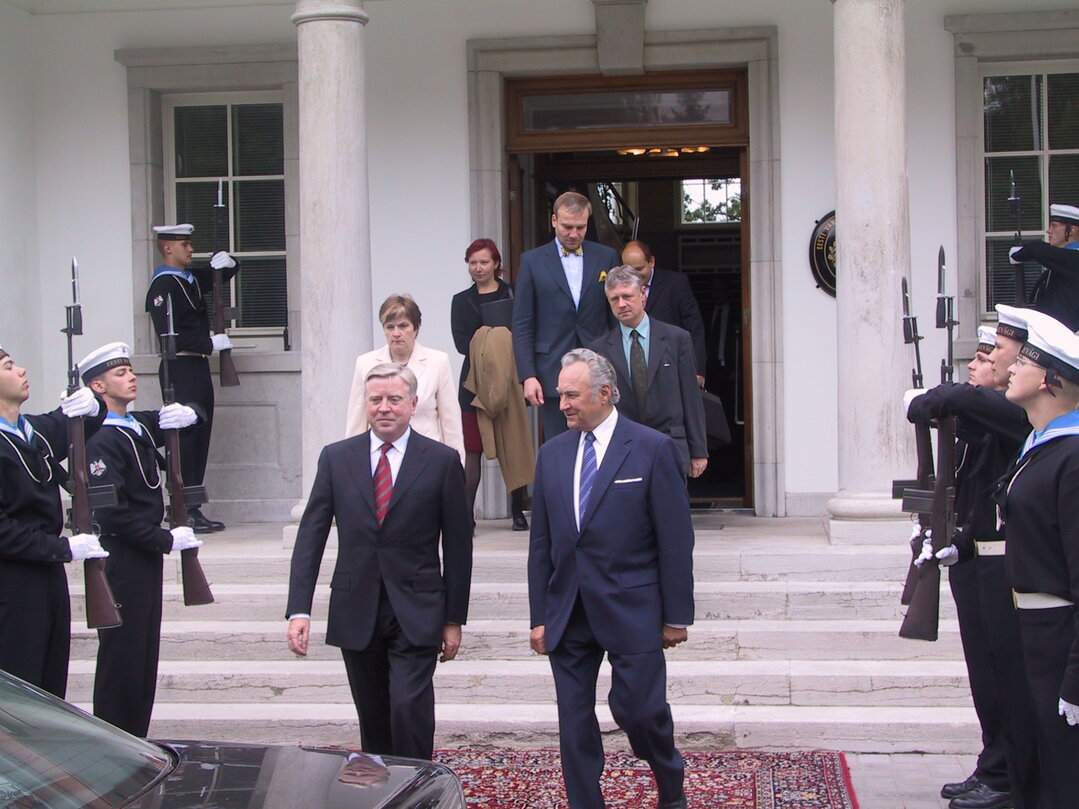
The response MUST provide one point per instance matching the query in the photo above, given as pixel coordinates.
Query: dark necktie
(638, 370)
(588, 474)
(383, 484)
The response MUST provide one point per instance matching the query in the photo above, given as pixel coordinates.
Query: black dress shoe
(982, 797)
(677, 803)
(519, 522)
(958, 788)
(200, 524)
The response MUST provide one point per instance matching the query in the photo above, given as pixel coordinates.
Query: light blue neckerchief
(22, 428)
(1068, 424)
(128, 421)
(164, 269)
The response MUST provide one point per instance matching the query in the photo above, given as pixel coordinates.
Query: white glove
(220, 341)
(184, 538)
(909, 396)
(1068, 711)
(222, 261)
(915, 529)
(1011, 254)
(80, 403)
(948, 555)
(86, 546)
(175, 416)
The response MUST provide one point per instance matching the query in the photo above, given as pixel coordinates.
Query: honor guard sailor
(190, 371)
(1038, 501)
(1057, 290)
(35, 629)
(124, 453)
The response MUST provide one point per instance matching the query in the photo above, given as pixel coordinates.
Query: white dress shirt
(603, 433)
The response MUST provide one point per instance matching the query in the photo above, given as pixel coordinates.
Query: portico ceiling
(95, 6)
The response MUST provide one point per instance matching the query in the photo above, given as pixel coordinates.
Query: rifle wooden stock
(196, 588)
(229, 377)
(923, 613)
(102, 611)
(924, 442)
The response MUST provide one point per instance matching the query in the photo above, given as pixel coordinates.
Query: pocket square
(629, 480)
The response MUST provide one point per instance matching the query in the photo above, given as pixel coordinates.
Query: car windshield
(53, 755)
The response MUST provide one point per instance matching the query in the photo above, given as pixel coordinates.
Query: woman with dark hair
(466, 318)
(437, 414)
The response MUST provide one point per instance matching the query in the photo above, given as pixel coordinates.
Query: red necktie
(383, 485)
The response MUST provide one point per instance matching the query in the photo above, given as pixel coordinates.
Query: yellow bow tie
(567, 252)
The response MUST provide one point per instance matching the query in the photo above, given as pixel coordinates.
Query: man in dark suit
(663, 393)
(668, 297)
(393, 493)
(610, 570)
(559, 304)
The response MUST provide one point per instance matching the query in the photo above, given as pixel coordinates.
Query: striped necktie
(383, 484)
(588, 473)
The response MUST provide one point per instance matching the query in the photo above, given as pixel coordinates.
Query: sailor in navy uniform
(1038, 501)
(1057, 290)
(124, 453)
(190, 371)
(35, 612)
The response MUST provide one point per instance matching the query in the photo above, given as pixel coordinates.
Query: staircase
(795, 646)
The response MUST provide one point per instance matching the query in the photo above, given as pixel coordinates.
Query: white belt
(992, 548)
(1039, 601)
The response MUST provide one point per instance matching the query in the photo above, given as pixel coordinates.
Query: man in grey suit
(559, 304)
(393, 606)
(655, 367)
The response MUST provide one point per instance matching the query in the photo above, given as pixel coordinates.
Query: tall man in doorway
(559, 304)
(393, 606)
(610, 570)
(190, 371)
(654, 363)
(668, 297)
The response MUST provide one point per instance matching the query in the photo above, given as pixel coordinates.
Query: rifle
(229, 377)
(1019, 270)
(102, 611)
(196, 588)
(908, 490)
(945, 318)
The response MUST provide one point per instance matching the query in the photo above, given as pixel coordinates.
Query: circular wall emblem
(822, 253)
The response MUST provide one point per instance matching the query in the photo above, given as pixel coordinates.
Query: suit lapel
(359, 464)
(553, 262)
(612, 461)
(590, 284)
(657, 352)
(411, 466)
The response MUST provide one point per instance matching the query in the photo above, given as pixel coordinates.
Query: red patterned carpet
(532, 779)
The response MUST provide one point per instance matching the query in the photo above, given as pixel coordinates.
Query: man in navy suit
(661, 387)
(393, 607)
(669, 297)
(559, 304)
(610, 570)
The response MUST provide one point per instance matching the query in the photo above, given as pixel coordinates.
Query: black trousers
(126, 678)
(192, 384)
(391, 683)
(35, 624)
(638, 702)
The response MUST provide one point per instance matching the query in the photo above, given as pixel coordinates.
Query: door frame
(491, 61)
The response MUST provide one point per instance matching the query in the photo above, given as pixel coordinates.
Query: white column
(335, 259)
(873, 254)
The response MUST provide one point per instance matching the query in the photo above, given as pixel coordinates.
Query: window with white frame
(711, 201)
(1030, 149)
(224, 173)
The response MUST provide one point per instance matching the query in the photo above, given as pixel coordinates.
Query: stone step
(714, 682)
(758, 639)
(721, 601)
(939, 730)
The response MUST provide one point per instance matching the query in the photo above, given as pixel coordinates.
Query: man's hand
(85, 546)
(537, 640)
(451, 642)
(697, 467)
(1068, 711)
(221, 342)
(80, 403)
(176, 416)
(672, 636)
(222, 261)
(700, 381)
(533, 391)
(299, 632)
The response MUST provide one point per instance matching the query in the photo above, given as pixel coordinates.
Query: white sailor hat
(174, 233)
(986, 339)
(1052, 345)
(1064, 213)
(98, 361)
(1012, 322)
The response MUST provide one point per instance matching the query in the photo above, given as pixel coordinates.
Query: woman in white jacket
(438, 414)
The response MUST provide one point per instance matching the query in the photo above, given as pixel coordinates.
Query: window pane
(1062, 103)
(1012, 110)
(1028, 185)
(1064, 179)
(711, 201)
(260, 215)
(196, 204)
(1000, 277)
(262, 293)
(201, 142)
(257, 140)
(620, 109)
